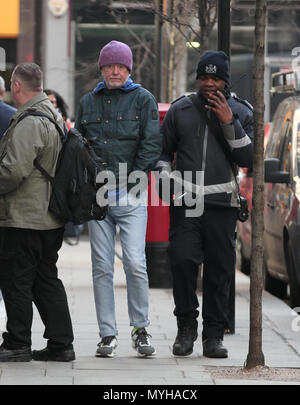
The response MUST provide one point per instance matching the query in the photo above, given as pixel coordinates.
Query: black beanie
(214, 63)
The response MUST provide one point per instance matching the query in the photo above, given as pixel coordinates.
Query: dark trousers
(28, 274)
(209, 239)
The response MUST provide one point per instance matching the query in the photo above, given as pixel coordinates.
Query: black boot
(213, 347)
(186, 336)
(53, 355)
(21, 354)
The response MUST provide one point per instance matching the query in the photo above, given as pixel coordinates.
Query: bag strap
(35, 113)
(216, 131)
(218, 134)
(61, 134)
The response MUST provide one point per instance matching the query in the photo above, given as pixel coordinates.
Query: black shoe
(186, 336)
(53, 355)
(213, 347)
(22, 354)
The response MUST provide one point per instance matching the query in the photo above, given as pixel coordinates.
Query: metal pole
(224, 24)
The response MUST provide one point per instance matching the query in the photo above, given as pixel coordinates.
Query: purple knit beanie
(115, 52)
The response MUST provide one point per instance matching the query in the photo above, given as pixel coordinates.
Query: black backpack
(74, 184)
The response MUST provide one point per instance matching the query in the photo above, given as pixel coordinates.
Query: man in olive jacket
(30, 236)
(121, 121)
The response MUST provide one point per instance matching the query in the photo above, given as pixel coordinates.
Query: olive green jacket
(24, 191)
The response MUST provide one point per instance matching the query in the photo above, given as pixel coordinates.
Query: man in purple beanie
(120, 119)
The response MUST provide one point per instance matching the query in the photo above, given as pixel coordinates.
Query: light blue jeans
(132, 221)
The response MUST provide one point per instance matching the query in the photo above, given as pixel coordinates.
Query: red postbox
(157, 236)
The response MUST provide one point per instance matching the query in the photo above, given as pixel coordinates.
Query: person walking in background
(209, 132)
(30, 236)
(6, 111)
(120, 119)
(60, 104)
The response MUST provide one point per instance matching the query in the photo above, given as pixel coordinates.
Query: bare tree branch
(119, 20)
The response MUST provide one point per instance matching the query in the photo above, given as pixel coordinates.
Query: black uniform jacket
(187, 137)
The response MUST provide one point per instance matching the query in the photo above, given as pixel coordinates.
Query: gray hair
(2, 84)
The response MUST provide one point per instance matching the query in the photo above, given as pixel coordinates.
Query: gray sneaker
(107, 347)
(141, 342)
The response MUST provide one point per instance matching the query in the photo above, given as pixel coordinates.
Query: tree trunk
(255, 355)
(181, 66)
(207, 17)
(171, 65)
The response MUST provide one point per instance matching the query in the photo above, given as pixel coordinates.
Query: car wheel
(293, 282)
(242, 264)
(273, 285)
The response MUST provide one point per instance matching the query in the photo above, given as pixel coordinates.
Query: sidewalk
(281, 345)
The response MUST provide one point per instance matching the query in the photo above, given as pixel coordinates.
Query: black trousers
(28, 274)
(209, 239)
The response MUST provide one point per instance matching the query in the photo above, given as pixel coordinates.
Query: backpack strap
(61, 134)
(40, 114)
(43, 171)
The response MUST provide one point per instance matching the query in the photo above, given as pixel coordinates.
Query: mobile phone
(226, 91)
(210, 104)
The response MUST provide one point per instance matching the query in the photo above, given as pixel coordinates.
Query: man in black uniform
(206, 237)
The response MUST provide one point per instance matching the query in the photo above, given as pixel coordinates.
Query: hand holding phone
(217, 103)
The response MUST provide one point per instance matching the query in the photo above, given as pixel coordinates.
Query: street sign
(58, 7)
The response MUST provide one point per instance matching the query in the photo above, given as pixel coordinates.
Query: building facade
(65, 36)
